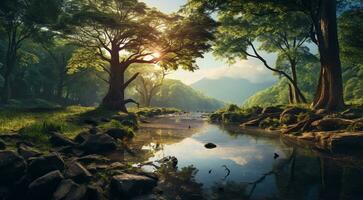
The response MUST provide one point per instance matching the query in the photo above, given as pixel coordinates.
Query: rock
(81, 137)
(99, 143)
(44, 186)
(77, 193)
(12, 167)
(64, 149)
(271, 109)
(129, 185)
(104, 119)
(94, 130)
(27, 152)
(93, 159)
(210, 146)
(331, 124)
(77, 172)
(42, 165)
(119, 133)
(63, 189)
(90, 121)
(94, 193)
(2, 144)
(58, 139)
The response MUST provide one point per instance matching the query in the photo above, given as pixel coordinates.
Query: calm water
(254, 172)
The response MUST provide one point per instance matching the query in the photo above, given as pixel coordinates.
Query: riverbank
(336, 132)
(71, 153)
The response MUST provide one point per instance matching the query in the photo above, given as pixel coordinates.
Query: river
(246, 164)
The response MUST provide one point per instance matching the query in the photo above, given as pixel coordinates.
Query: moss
(128, 131)
(269, 123)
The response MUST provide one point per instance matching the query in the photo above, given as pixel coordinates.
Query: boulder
(45, 164)
(44, 186)
(129, 185)
(58, 139)
(12, 167)
(81, 137)
(94, 193)
(332, 124)
(90, 121)
(27, 152)
(99, 143)
(93, 159)
(272, 109)
(120, 133)
(77, 172)
(77, 193)
(63, 189)
(2, 144)
(94, 130)
(210, 146)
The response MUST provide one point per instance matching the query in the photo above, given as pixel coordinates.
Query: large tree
(240, 33)
(20, 20)
(148, 83)
(323, 31)
(122, 33)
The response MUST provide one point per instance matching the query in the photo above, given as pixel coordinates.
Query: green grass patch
(38, 122)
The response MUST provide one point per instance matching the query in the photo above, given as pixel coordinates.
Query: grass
(35, 124)
(15, 120)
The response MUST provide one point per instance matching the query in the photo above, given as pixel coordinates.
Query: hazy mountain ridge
(230, 90)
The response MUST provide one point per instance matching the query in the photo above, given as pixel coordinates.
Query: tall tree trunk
(291, 95)
(115, 97)
(298, 97)
(329, 94)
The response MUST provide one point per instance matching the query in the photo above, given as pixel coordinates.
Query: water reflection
(254, 173)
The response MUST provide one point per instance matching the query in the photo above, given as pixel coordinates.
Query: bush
(234, 117)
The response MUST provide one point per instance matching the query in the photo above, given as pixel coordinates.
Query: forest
(139, 99)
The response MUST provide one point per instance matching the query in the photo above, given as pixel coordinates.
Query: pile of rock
(72, 169)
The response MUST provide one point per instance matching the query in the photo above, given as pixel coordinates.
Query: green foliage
(351, 52)
(234, 114)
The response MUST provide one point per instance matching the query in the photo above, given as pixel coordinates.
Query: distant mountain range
(230, 90)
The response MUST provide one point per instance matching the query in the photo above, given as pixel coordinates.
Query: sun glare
(156, 54)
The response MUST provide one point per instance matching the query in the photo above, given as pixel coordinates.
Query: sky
(212, 68)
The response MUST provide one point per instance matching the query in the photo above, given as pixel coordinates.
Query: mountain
(230, 90)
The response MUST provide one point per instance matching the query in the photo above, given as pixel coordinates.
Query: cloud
(251, 70)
